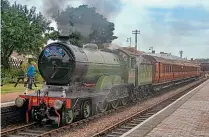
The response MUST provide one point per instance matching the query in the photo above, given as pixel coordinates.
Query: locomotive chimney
(64, 36)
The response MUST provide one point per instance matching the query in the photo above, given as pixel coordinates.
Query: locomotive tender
(81, 82)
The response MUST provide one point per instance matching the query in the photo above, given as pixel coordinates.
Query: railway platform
(186, 117)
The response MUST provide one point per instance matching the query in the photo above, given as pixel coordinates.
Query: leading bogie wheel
(67, 117)
(86, 111)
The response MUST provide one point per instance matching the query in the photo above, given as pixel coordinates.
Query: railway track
(37, 130)
(11, 115)
(34, 129)
(122, 127)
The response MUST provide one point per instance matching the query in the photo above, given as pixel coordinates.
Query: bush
(38, 77)
(24, 66)
(9, 75)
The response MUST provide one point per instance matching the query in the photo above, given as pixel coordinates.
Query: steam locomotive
(81, 82)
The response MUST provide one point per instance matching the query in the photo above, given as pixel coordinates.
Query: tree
(23, 30)
(90, 26)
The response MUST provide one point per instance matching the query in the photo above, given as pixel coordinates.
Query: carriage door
(157, 75)
(132, 64)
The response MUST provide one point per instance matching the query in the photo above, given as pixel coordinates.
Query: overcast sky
(166, 25)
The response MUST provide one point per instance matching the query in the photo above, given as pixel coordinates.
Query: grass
(9, 88)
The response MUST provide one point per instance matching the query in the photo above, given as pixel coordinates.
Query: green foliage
(9, 75)
(38, 78)
(87, 25)
(23, 30)
(24, 66)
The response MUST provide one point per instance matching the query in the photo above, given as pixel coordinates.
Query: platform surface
(186, 117)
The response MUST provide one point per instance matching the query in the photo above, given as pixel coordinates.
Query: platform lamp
(129, 40)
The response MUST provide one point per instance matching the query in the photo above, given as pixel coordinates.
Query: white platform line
(7, 104)
(136, 127)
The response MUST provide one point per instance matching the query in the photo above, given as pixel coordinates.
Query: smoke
(52, 7)
(108, 8)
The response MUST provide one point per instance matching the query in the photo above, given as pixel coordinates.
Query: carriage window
(165, 69)
(169, 69)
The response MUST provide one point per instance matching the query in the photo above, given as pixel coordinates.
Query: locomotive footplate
(55, 105)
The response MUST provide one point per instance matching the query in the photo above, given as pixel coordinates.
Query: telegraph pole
(129, 39)
(136, 32)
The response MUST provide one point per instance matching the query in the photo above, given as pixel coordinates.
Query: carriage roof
(170, 61)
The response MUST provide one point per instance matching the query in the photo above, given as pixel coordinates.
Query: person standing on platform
(30, 74)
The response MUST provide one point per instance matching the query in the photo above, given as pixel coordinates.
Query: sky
(166, 25)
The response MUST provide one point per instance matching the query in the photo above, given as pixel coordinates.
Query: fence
(15, 63)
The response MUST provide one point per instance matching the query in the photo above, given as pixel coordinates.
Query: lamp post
(129, 40)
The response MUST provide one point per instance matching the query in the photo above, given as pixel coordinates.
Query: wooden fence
(15, 63)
